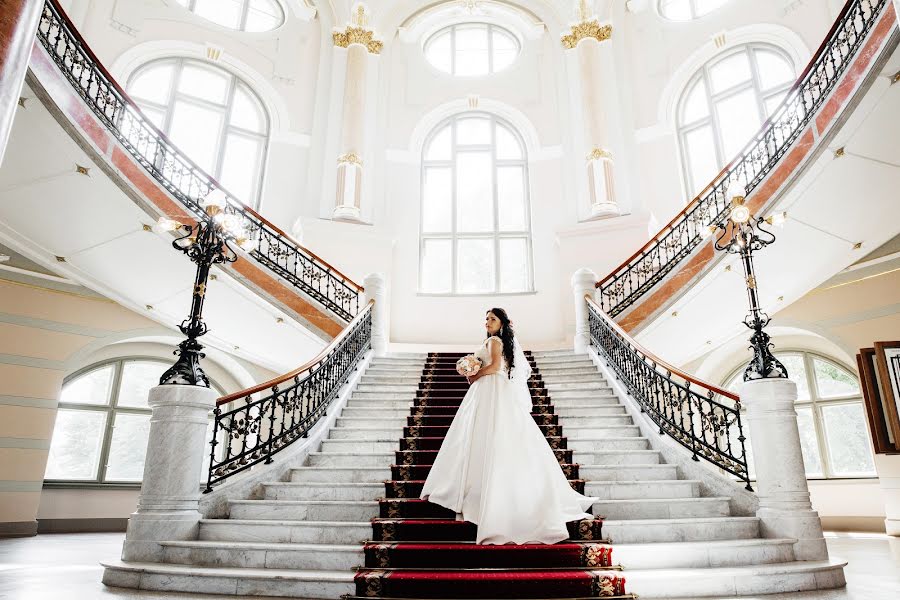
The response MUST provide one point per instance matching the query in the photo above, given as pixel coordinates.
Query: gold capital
(358, 32)
(587, 29)
(598, 153)
(351, 158)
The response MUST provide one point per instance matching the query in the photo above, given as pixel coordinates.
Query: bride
(495, 468)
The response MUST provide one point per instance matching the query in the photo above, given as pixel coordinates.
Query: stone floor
(65, 566)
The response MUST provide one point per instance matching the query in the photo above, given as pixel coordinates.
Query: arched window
(471, 49)
(475, 219)
(687, 10)
(723, 106)
(830, 414)
(103, 421)
(242, 15)
(209, 114)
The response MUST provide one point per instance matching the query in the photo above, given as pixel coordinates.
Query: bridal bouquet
(468, 365)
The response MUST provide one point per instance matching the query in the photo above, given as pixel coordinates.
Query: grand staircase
(348, 521)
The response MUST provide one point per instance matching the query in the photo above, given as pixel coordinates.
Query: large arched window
(209, 114)
(687, 10)
(472, 49)
(103, 422)
(475, 219)
(723, 106)
(830, 414)
(242, 15)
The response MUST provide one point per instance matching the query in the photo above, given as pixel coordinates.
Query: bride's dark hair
(506, 335)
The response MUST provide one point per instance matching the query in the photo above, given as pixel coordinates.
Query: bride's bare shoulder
(493, 337)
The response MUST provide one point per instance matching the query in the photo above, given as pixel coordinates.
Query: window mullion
(453, 208)
(110, 419)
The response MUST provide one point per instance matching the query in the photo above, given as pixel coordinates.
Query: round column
(376, 289)
(785, 509)
(170, 492)
(583, 281)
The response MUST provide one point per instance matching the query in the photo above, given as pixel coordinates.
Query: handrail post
(785, 509)
(376, 289)
(168, 507)
(583, 281)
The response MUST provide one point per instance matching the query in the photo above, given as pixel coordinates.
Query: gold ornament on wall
(587, 29)
(351, 158)
(358, 33)
(599, 153)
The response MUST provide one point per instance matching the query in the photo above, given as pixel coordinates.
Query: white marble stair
(664, 532)
(302, 537)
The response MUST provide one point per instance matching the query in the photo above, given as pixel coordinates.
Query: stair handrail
(291, 404)
(625, 284)
(702, 417)
(179, 175)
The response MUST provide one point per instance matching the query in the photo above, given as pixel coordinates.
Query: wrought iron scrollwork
(705, 420)
(268, 418)
(624, 286)
(178, 175)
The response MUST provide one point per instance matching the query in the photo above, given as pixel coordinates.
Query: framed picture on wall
(887, 357)
(883, 423)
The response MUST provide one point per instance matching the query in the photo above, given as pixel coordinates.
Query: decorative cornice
(351, 158)
(599, 153)
(587, 29)
(357, 35)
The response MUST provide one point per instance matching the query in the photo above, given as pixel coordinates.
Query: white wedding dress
(496, 469)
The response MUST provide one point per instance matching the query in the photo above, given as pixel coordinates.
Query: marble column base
(147, 530)
(346, 213)
(604, 210)
(892, 526)
(804, 526)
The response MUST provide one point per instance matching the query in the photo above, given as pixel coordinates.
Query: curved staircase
(348, 521)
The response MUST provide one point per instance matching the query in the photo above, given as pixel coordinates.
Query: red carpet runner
(420, 551)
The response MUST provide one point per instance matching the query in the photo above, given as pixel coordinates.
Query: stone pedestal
(583, 282)
(376, 289)
(170, 493)
(785, 510)
(602, 185)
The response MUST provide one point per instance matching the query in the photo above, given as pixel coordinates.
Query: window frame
(490, 49)
(683, 129)
(692, 4)
(110, 410)
(224, 110)
(496, 234)
(815, 402)
(190, 5)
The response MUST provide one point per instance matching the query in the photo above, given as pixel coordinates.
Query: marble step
(575, 432)
(564, 352)
(287, 490)
(704, 555)
(627, 472)
(611, 443)
(599, 386)
(257, 555)
(587, 368)
(663, 508)
(395, 379)
(749, 580)
(299, 510)
(377, 422)
(293, 583)
(285, 531)
(643, 490)
(361, 446)
(598, 419)
(390, 388)
(697, 529)
(403, 372)
(349, 459)
(340, 474)
(621, 420)
(364, 433)
(375, 412)
(580, 394)
(617, 457)
(408, 396)
(585, 410)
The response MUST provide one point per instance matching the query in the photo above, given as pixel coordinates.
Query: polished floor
(65, 567)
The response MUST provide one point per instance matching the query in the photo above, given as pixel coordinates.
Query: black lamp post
(743, 234)
(206, 243)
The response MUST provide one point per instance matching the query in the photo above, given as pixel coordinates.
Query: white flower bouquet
(468, 365)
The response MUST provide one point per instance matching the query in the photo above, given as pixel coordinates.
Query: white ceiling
(838, 202)
(49, 210)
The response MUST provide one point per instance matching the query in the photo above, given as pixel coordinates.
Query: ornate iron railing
(703, 418)
(274, 414)
(178, 175)
(649, 265)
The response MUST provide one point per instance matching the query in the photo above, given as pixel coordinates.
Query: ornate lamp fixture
(206, 243)
(743, 234)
